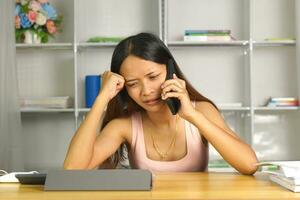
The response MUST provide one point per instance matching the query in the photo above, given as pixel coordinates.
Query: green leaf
(25, 8)
(19, 33)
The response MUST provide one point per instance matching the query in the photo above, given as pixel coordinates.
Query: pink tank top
(196, 158)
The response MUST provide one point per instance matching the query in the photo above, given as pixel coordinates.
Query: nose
(146, 90)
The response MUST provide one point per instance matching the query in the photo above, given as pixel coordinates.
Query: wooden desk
(169, 186)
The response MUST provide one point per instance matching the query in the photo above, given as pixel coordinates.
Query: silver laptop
(104, 179)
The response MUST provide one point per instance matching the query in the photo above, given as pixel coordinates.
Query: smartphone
(172, 102)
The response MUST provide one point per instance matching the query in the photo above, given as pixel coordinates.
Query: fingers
(176, 81)
(107, 74)
(172, 94)
(113, 80)
(120, 84)
(172, 90)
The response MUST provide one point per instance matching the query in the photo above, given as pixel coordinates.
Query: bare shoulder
(121, 126)
(206, 107)
(213, 114)
(209, 111)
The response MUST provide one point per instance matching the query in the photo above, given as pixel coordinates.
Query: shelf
(46, 110)
(274, 43)
(66, 46)
(84, 110)
(208, 43)
(276, 108)
(228, 108)
(96, 45)
(234, 43)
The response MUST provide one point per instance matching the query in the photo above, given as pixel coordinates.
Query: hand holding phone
(172, 102)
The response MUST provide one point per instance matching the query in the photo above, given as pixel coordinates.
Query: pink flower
(51, 27)
(43, 1)
(17, 22)
(35, 6)
(32, 16)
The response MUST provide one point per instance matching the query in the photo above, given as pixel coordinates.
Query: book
(284, 173)
(286, 182)
(214, 31)
(282, 102)
(46, 102)
(289, 169)
(283, 99)
(291, 181)
(206, 38)
(206, 34)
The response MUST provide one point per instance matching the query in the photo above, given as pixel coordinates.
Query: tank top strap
(194, 103)
(135, 122)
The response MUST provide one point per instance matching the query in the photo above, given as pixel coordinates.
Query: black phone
(172, 102)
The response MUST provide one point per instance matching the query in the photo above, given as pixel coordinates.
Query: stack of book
(284, 173)
(207, 35)
(282, 102)
(46, 102)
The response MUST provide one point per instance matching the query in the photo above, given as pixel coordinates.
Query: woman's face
(143, 80)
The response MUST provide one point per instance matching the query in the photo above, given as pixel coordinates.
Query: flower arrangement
(37, 16)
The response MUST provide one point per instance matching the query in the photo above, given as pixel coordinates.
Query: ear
(174, 76)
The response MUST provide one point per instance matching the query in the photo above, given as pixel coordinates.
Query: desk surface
(168, 186)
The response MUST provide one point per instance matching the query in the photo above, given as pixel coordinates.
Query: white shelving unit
(45, 110)
(67, 46)
(247, 70)
(208, 43)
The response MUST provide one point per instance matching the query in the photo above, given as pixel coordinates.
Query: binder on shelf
(203, 38)
(46, 102)
(207, 35)
(209, 31)
(282, 102)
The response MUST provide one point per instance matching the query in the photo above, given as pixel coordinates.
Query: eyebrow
(130, 80)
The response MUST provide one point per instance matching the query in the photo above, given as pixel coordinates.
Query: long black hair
(149, 47)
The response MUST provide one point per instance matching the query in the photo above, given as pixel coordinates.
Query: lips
(152, 101)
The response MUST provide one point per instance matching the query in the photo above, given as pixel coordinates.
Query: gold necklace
(163, 155)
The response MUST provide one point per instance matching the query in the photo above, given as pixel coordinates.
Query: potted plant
(35, 21)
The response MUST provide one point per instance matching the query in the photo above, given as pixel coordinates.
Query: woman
(137, 116)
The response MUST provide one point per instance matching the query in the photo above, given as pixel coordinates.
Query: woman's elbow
(250, 170)
(69, 166)
(250, 166)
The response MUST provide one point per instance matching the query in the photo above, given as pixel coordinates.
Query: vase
(31, 38)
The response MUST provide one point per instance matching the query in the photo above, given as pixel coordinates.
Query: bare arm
(213, 127)
(82, 146)
(110, 139)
